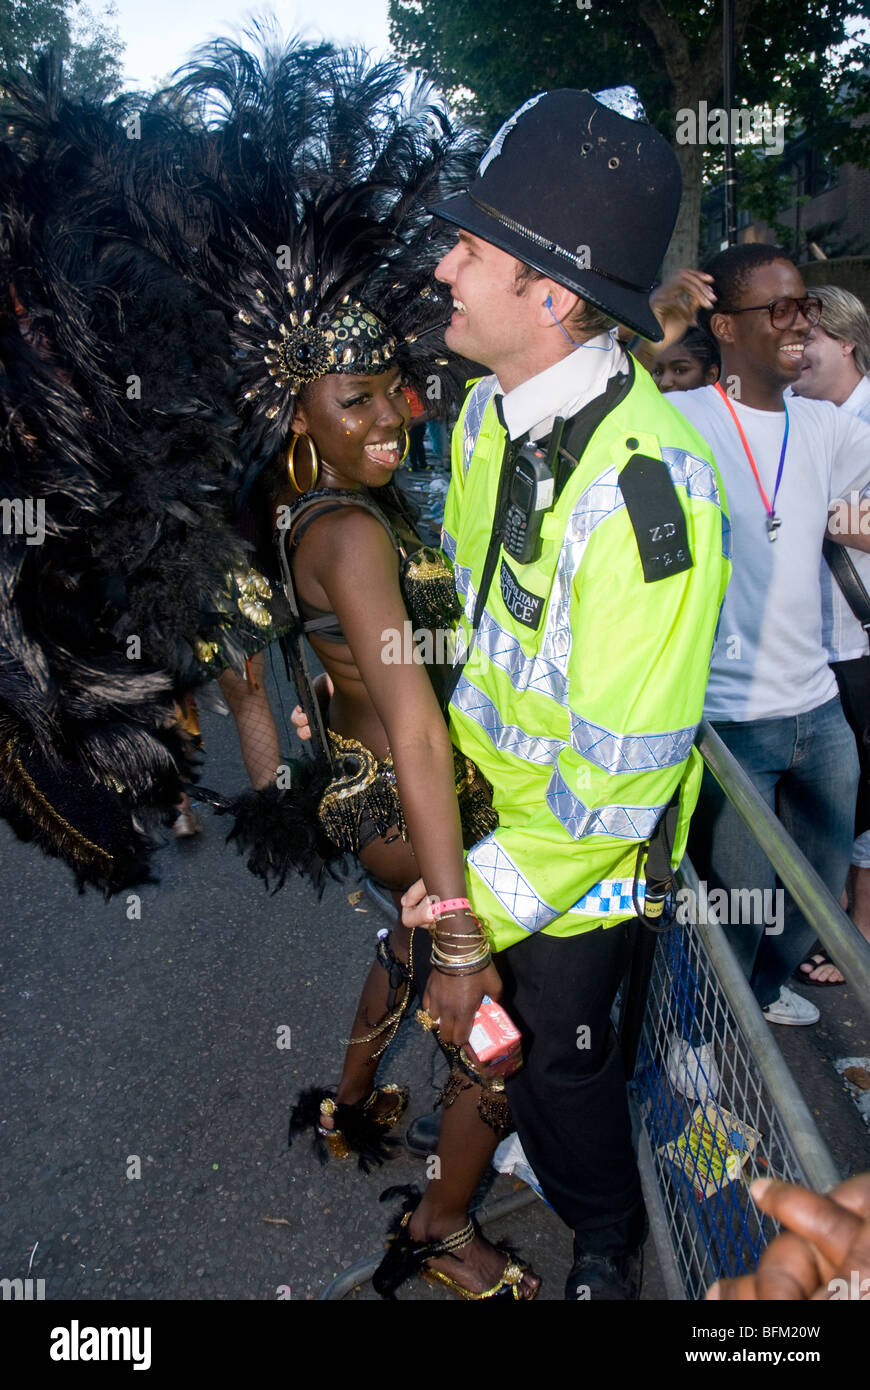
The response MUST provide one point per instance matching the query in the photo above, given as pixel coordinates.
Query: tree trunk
(683, 248)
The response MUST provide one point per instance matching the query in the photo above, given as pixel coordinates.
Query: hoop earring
(315, 463)
(407, 446)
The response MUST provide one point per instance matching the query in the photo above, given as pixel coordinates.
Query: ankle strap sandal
(406, 1256)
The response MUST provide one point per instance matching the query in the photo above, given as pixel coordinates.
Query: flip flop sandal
(817, 957)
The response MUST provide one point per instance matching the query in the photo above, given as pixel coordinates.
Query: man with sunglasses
(772, 696)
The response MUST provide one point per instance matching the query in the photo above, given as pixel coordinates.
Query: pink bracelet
(450, 905)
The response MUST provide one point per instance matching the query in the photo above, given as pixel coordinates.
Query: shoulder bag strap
(849, 580)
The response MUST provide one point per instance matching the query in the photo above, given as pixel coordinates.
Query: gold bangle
(482, 946)
(457, 962)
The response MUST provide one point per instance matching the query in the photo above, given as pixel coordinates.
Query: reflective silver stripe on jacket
(513, 890)
(524, 672)
(478, 400)
(623, 822)
(508, 738)
(696, 475)
(629, 752)
(462, 580)
(448, 544)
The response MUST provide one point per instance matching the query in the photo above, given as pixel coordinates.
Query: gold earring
(407, 446)
(315, 463)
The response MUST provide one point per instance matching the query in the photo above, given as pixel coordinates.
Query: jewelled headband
(349, 339)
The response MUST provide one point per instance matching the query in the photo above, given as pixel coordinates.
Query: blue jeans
(805, 767)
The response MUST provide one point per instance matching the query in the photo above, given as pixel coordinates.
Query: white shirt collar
(859, 401)
(564, 388)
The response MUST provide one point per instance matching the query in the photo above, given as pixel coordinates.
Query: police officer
(591, 580)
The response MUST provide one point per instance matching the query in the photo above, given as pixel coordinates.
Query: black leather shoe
(422, 1135)
(606, 1278)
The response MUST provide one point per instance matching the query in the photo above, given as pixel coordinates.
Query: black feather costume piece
(278, 829)
(116, 442)
(366, 1138)
(406, 1256)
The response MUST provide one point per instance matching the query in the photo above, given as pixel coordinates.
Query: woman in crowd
(691, 362)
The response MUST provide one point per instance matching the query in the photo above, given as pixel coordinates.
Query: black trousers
(853, 679)
(569, 1101)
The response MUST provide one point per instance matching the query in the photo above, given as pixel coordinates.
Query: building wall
(849, 199)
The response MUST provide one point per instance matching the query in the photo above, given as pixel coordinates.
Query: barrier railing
(718, 1104)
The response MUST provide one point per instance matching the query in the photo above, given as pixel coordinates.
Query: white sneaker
(791, 1009)
(692, 1070)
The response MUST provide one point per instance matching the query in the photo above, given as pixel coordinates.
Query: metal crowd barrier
(717, 1104)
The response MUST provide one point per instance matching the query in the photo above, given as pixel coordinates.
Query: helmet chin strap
(592, 347)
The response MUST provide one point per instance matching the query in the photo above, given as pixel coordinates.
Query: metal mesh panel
(711, 1123)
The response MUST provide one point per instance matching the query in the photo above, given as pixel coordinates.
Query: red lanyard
(773, 522)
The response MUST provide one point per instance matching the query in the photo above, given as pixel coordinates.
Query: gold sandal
(405, 1257)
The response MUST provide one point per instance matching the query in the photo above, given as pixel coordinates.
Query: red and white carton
(494, 1036)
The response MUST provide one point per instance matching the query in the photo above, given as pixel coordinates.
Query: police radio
(531, 494)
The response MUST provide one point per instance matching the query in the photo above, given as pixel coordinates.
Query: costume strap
(287, 538)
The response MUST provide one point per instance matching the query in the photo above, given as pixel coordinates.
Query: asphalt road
(144, 1135)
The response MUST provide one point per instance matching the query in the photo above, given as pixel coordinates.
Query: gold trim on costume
(43, 802)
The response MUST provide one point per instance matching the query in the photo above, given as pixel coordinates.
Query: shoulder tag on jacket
(656, 516)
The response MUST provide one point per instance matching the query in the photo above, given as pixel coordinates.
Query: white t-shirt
(768, 659)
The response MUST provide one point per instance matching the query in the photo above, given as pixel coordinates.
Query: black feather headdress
(311, 170)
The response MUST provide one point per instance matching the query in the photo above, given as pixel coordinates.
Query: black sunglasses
(783, 312)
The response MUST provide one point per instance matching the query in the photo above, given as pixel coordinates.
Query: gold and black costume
(361, 801)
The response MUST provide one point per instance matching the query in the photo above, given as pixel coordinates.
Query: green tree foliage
(86, 39)
(491, 55)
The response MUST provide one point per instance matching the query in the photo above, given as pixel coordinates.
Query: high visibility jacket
(584, 686)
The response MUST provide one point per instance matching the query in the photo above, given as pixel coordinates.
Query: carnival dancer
(324, 162)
